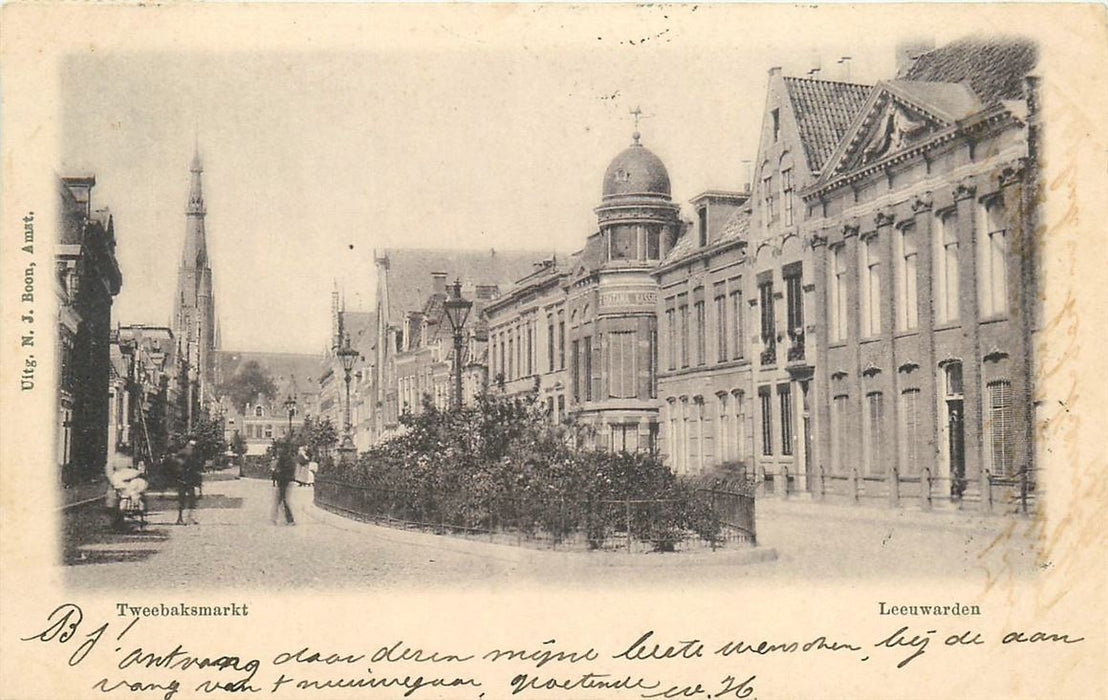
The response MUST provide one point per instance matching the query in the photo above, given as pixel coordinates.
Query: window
(953, 374)
(561, 341)
(785, 398)
(700, 352)
(721, 325)
(683, 312)
(672, 438)
(702, 225)
(550, 409)
(838, 432)
(268, 431)
(787, 195)
(765, 303)
(561, 406)
(530, 349)
(946, 267)
(622, 243)
(907, 300)
(653, 236)
(775, 116)
(549, 343)
(575, 372)
(992, 256)
(721, 431)
(871, 441)
(766, 402)
(909, 426)
(621, 372)
(258, 411)
(587, 348)
(737, 322)
(767, 194)
(625, 437)
(871, 288)
(671, 328)
(500, 364)
(1000, 427)
(837, 296)
(738, 435)
(794, 303)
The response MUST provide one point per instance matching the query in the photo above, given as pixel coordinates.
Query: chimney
(487, 291)
(908, 51)
(438, 284)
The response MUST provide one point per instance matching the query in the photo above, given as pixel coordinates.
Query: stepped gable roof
(409, 273)
(824, 110)
(994, 68)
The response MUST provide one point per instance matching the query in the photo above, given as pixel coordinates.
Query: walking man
(188, 479)
(286, 474)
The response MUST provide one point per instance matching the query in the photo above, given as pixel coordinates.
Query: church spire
(196, 189)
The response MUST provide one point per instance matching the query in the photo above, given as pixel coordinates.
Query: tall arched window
(946, 286)
(992, 257)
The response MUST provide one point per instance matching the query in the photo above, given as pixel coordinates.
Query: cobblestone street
(237, 545)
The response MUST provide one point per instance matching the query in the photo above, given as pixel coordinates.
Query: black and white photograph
(705, 304)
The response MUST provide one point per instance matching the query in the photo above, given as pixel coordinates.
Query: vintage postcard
(565, 351)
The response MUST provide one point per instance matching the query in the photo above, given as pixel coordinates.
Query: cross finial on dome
(636, 113)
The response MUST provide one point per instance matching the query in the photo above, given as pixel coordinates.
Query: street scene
(374, 336)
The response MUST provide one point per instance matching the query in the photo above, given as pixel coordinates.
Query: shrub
(501, 464)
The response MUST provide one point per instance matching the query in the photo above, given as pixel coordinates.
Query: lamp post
(128, 349)
(457, 311)
(347, 356)
(290, 408)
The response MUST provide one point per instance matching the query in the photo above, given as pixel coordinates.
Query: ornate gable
(896, 127)
(898, 116)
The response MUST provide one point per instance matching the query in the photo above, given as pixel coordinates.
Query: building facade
(408, 283)
(922, 224)
(145, 399)
(87, 280)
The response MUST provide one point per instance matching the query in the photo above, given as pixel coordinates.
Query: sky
(313, 158)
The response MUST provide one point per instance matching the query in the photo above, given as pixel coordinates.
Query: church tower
(194, 318)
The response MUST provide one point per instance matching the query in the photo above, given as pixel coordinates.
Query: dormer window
(258, 411)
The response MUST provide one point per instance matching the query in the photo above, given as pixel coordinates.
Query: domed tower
(637, 217)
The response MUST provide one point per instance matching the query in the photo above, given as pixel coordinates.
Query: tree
(319, 435)
(208, 434)
(238, 444)
(250, 381)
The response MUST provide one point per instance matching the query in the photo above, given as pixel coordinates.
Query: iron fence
(719, 515)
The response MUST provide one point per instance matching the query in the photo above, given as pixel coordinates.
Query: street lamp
(457, 310)
(128, 348)
(290, 408)
(347, 356)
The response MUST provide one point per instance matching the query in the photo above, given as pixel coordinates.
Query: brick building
(862, 324)
(921, 224)
(87, 280)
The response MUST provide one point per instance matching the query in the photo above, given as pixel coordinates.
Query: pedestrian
(313, 467)
(285, 475)
(188, 479)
